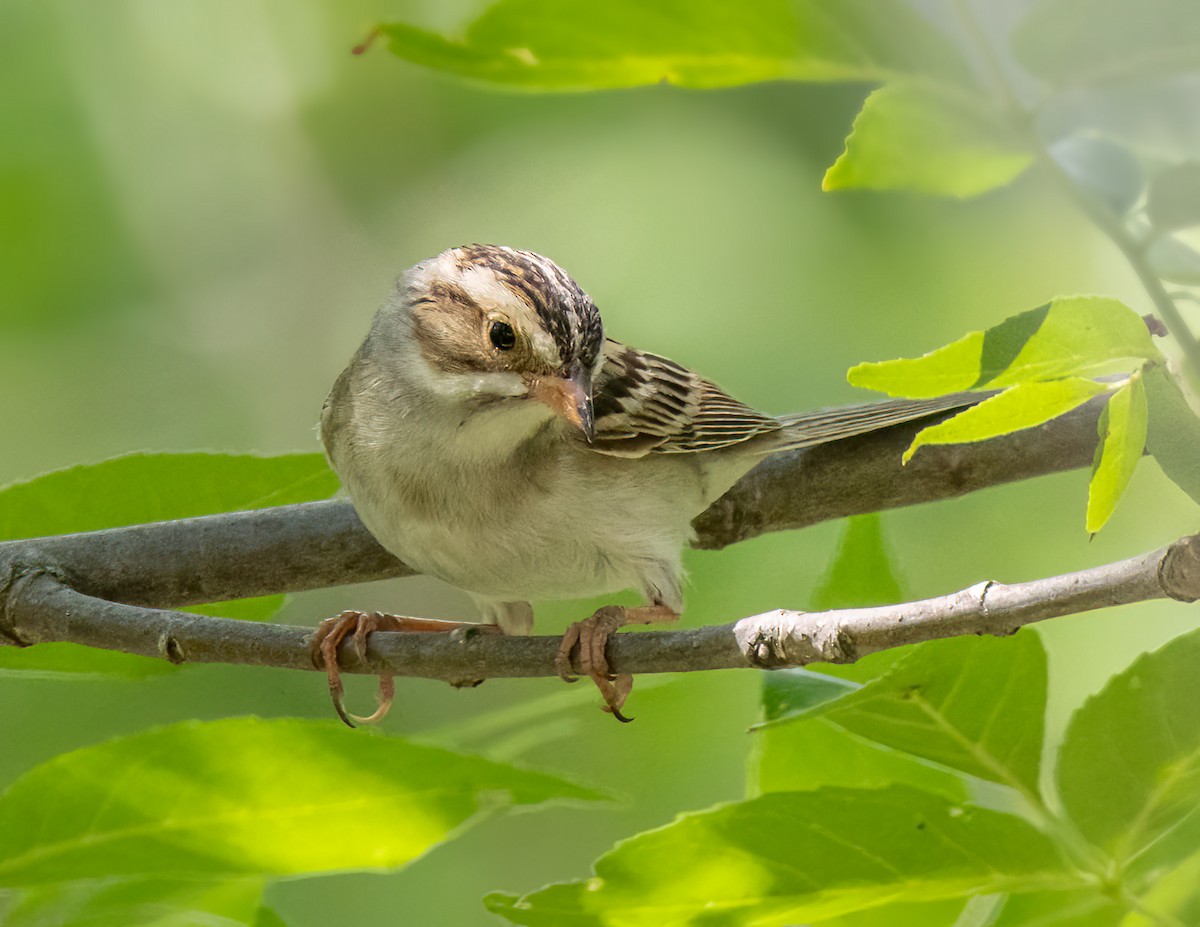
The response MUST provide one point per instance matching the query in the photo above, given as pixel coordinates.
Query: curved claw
(325, 642)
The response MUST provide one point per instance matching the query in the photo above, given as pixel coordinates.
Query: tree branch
(48, 610)
(317, 544)
(112, 589)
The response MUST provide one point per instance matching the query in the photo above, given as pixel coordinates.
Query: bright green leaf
(927, 138)
(949, 369)
(1174, 894)
(1173, 201)
(800, 857)
(195, 800)
(973, 704)
(948, 913)
(1105, 41)
(259, 608)
(553, 45)
(1122, 442)
(1129, 767)
(139, 488)
(1173, 432)
(1017, 407)
(1072, 336)
(122, 903)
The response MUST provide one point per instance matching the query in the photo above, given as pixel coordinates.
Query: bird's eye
(502, 335)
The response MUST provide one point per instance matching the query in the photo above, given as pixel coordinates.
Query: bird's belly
(568, 538)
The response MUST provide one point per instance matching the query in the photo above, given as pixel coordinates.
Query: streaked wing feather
(806, 429)
(646, 404)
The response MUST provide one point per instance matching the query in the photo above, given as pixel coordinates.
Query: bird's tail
(805, 429)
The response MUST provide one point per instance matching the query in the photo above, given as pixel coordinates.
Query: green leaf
(1072, 336)
(928, 138)
(122, 903)
(973, 704)
(1173, 201)
(1173, 432)
(949, 913)
(1122, 430)
(861, 573)
(74, 661)
(1129, 767)
(800, 857)
(195, 800)
(1094, 41)
(811, 753)
(138, 488)
(1018, 407)
(554, 45)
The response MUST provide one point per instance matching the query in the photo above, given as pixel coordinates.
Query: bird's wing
(645, 404)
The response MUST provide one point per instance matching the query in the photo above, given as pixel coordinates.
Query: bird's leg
(592, 636)
(332, 631)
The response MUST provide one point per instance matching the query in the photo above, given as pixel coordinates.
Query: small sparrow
(490, 435)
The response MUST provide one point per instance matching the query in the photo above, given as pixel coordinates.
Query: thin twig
(42, 608)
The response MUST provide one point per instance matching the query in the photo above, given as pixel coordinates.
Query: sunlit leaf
(926, 914)
(1017, 407)
(973, 704)
(1072, 336)
(197, 800)
(927, 138)
(1093, 41)
(1122, 441)
(1173, 432)
(1129, 767)
(1172, 897)
(801, 857)
(581, 45)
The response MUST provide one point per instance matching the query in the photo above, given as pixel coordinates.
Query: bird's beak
(570, 398)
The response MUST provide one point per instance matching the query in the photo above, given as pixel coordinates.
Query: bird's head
(491, 325)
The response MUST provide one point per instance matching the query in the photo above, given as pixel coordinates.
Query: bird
(490, 434)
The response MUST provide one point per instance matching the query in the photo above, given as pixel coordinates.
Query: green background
(204, 202)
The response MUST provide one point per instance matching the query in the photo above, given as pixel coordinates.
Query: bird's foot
(592, 635)
(357, 625)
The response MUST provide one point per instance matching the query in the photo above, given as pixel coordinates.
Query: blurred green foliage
(203, 205)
